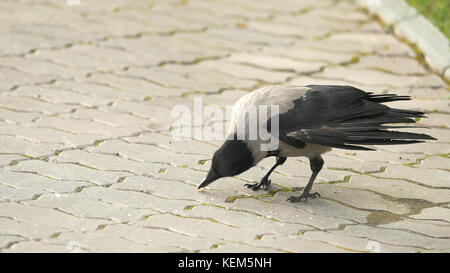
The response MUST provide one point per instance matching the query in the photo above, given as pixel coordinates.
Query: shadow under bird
(312, 120)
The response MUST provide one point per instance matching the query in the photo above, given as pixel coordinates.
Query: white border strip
(413, 27)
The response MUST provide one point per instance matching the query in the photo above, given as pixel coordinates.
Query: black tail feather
(384, 134)
(362, 121)
(385, 97)
(353, 139)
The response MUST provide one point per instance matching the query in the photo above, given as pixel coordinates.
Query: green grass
(437, 11)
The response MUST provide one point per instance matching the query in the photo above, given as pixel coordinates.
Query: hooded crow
(312, 120)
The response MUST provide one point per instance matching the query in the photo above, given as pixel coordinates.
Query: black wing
(346, 117)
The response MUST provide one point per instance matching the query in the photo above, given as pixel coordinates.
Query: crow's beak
(211, 177)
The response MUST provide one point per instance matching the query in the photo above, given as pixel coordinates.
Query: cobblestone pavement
(88, 163)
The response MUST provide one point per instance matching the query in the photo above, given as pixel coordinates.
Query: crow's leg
(316, 164)
(265, 182)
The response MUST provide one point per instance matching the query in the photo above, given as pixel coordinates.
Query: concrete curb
(415, 28)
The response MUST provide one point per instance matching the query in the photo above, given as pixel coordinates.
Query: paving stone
(353, 243)
(393, 65)
(284, 6)
(437, 162)
(376, 78)
(436, 120)
(146, 153)
(426, 106)
(22, 185)
(115, 119)
(275, 63)
(319, 23)
(186, 77)
(423, 93)
(38, 64)
(14, 145)
(164, 188)
(37, 222)
(160, 116)
(421, 149)
(252, 222)
(83, 87)
(6, 159)
(433, 178)
(434, 229)
(380, 157)
(225, 98)
(317, 216)
(163, 50)
(367, 42)
(199, 227)
(83, 126)
(399, 188)
(305, 53)
(373, 26)
(89, 207)
(434, 213)
(130, 88)
(399, 237)
(71, 58)
(9, 115)
(37, 247)
(97, 242)
(334, 46)
(247, 36)
(68, 171)
(247, 71)
(211, 40)
(240, 248)
(160, 238)
(48, 135)
(53, 94)
(276, 29)
(352, 196)
(12, 193)
(7, 241)
(29, 105)
(342, 160)
(296, 244)
(17, 230)
(137, 199)
(204, 75)
(107, 162)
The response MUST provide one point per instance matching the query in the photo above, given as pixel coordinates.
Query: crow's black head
(232, 158)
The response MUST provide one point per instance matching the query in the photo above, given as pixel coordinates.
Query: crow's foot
(264, 182)
(304, 195)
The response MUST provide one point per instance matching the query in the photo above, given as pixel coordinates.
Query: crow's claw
(303, 196)
(264, 182)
